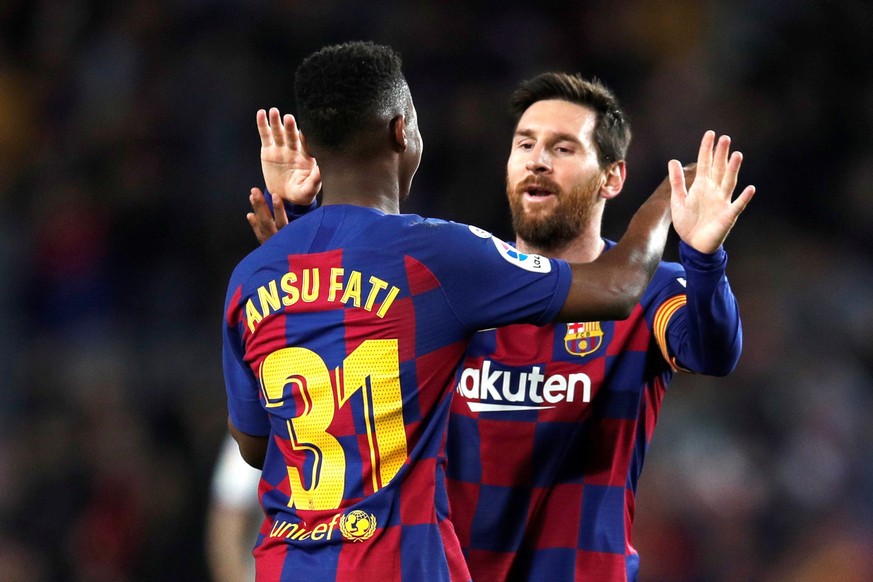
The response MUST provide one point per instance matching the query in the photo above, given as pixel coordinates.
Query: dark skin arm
(605, 289)
(611, 286)
(252, 448)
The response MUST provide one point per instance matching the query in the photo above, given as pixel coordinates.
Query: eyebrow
(558, 136)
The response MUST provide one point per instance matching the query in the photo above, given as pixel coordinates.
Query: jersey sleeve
(293, 211)
(243, 392)
(488, 282)
(697, 321)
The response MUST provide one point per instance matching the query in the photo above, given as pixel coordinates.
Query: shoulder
(434, 236)
(245, 267)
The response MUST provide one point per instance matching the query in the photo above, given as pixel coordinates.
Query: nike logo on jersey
(490, 390)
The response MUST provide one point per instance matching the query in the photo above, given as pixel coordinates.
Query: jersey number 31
(371, 368)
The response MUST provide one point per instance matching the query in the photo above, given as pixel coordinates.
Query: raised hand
(264, 223)
(289, 172)
(704, 214)
(666, 188)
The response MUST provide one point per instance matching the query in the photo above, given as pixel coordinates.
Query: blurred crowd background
(128, 146)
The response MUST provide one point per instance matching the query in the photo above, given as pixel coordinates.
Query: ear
(615, 176)
(398, 133)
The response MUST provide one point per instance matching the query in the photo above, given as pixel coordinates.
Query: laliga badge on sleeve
(528, 262)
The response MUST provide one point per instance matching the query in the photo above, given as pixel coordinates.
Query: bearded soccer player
(568, 158)
(550, 425)
(343, 332)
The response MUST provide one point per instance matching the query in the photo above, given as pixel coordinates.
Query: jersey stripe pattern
(341, 339)
(548, 432)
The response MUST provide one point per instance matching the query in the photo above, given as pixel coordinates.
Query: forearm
(253, 449)
(609, 287)
(707, 336)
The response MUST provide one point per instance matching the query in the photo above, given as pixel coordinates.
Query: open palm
(704, 214)
(289, 172)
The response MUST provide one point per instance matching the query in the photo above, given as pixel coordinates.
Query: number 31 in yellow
(372, 368)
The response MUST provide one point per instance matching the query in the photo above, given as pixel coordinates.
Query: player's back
(352, 323)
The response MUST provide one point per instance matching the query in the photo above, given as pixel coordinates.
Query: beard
(555, 226)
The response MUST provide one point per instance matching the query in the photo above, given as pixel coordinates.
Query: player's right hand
(704, 214)
(289, 172)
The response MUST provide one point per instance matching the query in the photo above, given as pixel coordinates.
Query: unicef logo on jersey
(358, 525)
(532, 263)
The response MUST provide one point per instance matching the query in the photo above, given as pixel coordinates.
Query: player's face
(553, 178)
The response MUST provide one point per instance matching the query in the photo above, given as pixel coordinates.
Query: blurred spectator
(234, 516)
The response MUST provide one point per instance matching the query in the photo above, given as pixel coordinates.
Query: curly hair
(612, 133)
(341, 87)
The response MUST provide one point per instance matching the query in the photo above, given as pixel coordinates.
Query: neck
(585, 247)
(386, 204)
(372, 183)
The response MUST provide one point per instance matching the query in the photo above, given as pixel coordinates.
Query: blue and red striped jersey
(341, 340)
(549, 426)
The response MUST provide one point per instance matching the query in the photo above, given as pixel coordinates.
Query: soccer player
(344, 330)
(550, 425)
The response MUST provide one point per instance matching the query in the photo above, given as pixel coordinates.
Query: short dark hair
(340, 88)
(612, 133)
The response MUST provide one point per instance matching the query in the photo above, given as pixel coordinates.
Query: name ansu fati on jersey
(521, 387)
(350, 288)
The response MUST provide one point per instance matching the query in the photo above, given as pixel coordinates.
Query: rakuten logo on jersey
(505, 390)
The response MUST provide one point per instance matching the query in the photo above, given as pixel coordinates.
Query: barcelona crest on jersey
(583, 337)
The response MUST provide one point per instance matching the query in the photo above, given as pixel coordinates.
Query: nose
(539, 161)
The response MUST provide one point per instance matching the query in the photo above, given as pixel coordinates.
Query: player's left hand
(704, 214)
(264, 223)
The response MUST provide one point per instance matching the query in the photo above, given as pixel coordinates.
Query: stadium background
(127, 147)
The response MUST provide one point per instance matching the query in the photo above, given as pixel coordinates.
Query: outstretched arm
(706, 335)
(609, 287)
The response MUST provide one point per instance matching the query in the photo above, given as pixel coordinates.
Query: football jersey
(341, 340)
(549, 426)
